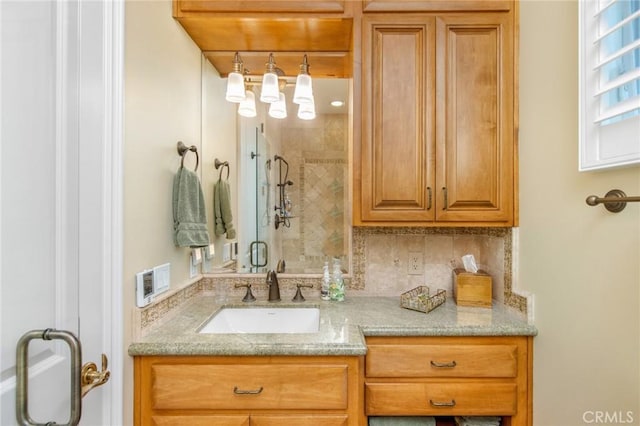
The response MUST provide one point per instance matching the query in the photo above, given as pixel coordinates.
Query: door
(58, 216)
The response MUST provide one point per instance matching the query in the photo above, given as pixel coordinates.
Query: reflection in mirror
(293, 185)
(308, 158)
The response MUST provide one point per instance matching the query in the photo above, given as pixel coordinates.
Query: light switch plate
(162, 278)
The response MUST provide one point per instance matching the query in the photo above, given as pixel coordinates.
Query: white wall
(582, 263)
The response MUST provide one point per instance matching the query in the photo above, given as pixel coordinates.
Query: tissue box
(471, 289)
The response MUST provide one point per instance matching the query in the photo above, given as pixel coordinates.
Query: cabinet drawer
(441, 398)
(299, 420)
(200, 420)
(441, 361)
(281, 386)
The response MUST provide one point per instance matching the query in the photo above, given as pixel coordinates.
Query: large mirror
(289, 180)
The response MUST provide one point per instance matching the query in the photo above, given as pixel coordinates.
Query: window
(609, 83)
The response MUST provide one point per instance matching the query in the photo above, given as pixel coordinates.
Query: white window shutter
(609, 83)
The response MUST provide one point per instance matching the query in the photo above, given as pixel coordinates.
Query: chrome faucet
(274, 288)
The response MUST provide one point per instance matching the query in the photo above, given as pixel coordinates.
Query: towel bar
(615, 200)
(222, 164)
(182, 152)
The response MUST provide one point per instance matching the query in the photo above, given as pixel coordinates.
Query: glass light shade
(307, 111)
(304, 89)
(235, 88)
(247, 108)
(270, 90)
(278, 109)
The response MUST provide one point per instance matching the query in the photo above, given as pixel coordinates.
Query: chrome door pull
(91, 377)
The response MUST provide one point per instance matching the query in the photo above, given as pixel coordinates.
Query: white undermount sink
(263, 320)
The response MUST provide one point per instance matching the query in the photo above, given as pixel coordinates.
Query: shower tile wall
(317, 154)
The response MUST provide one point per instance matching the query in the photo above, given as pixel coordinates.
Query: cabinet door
(396, 157)
(475, 124)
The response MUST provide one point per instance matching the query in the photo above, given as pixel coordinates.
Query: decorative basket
(418, 299)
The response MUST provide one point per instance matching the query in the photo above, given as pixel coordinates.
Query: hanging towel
(189, 215)
(222, 210)
(402, 421)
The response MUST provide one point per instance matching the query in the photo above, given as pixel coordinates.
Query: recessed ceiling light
(337, 103)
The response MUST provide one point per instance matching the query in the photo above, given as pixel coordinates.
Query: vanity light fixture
(247, 107)
(307, 110)
(278, 109)
(273, 82)
(270, 90)
(235, 82)
(304, 86)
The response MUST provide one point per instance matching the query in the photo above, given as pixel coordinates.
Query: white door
(59, 217)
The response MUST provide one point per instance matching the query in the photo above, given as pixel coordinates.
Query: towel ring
(182, 152)
(222, 164)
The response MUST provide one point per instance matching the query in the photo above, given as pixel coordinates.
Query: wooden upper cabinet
(438, 143)
(475, 133)
(264, 6)
(397, 166)
(323, 29)
(435, 5)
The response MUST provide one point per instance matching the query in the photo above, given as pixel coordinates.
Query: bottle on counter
(336, 289)
(326, 282)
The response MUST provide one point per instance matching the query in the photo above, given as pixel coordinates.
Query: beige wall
(580, 262)
(162, 106)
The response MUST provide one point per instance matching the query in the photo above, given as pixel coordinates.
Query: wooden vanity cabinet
(450, 376)
(255, 391)
(438, 120)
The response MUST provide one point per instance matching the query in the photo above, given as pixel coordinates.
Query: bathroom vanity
(370, 357)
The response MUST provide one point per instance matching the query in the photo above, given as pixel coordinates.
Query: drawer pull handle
(443, 364)
(246, 392)
(451, 403)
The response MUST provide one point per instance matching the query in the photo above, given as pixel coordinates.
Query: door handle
(91, 377)
(22, 375)
(82, 379)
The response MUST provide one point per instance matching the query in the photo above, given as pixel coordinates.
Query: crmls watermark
(608, 417)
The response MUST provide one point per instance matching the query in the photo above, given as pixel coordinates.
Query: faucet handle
(248, 297)
(299, 297)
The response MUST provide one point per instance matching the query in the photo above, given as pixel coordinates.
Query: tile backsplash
(381, 257)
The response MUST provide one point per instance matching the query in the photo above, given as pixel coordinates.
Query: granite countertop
(343, 327)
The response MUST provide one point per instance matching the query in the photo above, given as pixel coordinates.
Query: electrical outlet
(415, 264)
(193, 265)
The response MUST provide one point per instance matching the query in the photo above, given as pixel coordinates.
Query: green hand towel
(222, 210)
(189, 214)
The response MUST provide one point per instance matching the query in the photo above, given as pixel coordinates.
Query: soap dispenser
(336, 290)
(326, 282)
